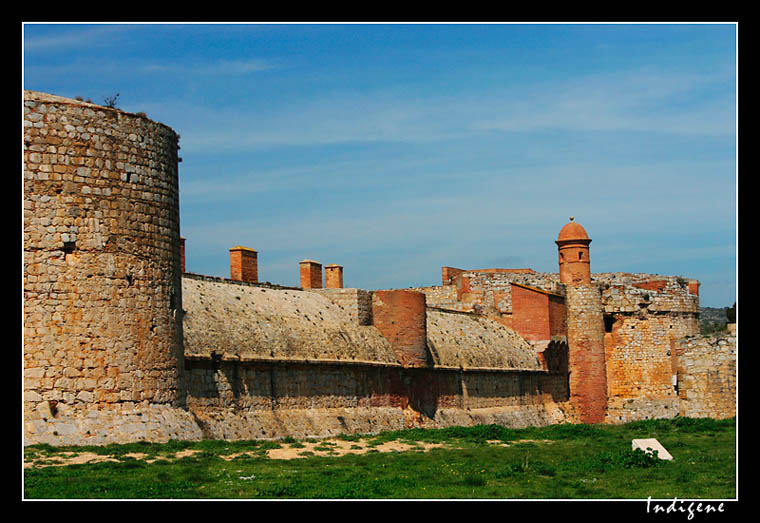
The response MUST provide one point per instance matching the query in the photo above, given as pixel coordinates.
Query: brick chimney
(182, 254)
(311, 274)
(244, 265)
(334, 276)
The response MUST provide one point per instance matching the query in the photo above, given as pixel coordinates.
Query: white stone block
(649, 445)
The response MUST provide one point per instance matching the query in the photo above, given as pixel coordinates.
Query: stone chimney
(311, 274)
(244, 265)
(334, 276)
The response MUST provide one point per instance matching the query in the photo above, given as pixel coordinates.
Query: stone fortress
(121, 344)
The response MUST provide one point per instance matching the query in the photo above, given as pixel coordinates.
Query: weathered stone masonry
(121, 344)
(102, 291)
(707, 376)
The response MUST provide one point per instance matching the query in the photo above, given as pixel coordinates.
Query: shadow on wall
(270, 386)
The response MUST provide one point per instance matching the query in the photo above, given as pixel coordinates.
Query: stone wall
(238, 400)
(486, 291)
(357, 303)
(101, 268)
(257, 366)
(707, 376)
(120, 346)
(645, 315)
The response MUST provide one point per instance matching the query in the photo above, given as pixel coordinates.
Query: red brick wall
(447, 273)
(400, 316)
(652, 285)
(557, 316)
(537, 315)
(244, 265)
(530, 313)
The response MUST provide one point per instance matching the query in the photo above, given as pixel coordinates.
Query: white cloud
(647, 102)
(77, 36)
(221, 67)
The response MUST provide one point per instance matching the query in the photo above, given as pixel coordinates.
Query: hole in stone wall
(69, 247)
(609, 321)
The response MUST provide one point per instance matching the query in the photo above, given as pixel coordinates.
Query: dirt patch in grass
(301, 449)
(326, 447)
(337, 447)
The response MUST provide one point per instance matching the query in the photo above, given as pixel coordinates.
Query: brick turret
(585, 325)
(574, 261)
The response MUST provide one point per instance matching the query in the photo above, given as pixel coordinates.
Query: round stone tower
(585, 325)
(102, 288)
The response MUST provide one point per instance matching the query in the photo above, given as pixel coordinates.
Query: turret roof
(572, 231)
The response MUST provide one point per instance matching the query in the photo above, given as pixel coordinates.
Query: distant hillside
(712, 319)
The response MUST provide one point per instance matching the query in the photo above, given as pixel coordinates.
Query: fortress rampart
(121, 343)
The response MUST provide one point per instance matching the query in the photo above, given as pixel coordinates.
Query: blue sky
(396, 149)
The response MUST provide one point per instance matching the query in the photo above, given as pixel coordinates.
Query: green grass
(556, 462)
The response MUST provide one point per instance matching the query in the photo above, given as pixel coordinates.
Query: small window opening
(609, 321)
(580, 255)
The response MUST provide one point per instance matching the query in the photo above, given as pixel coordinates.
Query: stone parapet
(630, 293)
(357, 303)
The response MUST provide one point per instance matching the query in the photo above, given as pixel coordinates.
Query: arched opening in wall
(609, 321)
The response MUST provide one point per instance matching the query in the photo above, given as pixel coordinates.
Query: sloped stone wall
(253, 322)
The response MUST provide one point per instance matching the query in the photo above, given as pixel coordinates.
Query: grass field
(483, 462)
